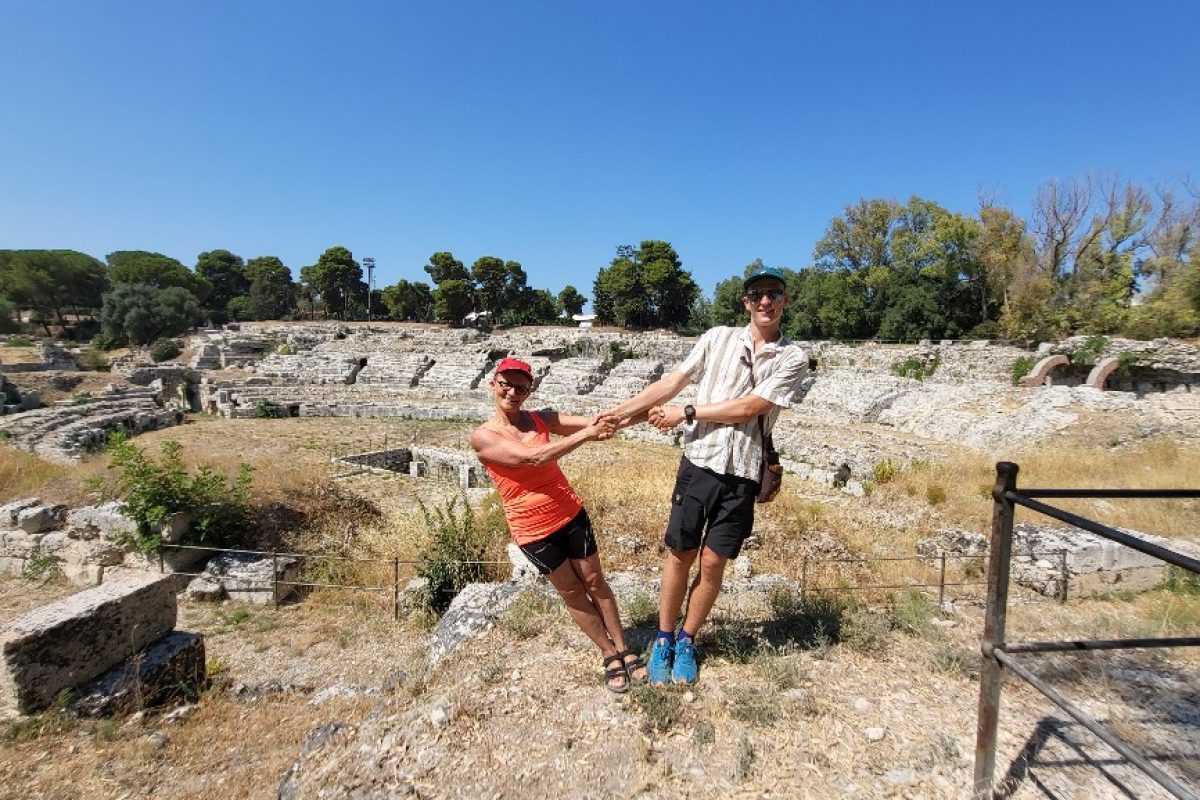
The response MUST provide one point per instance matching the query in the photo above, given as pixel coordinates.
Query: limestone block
(10, 565)
(94, 552)
(167, 559)
(205, 589)
(171, 669)
(54, 544)
(106, 519)
(247, 577)
(82, 574)
(9, 511)
(68, 642)
(18, 544)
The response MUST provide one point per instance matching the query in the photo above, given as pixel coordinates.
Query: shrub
(154, 492)
(1022, 367)
(660, 708)
(527, 615)
(913, 612)
(935, 494)
(1130, 359)
(266, 409)
(163, 350)
(456, 552)
(865, 630)
(642, 609)
(916, 367)
(18, 341)
(93, 358)
(885, 471)
(1181, 581)
(1090, 351)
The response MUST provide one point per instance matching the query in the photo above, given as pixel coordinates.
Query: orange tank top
(537, 500)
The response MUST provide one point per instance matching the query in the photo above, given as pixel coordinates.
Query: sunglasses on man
(755, 295)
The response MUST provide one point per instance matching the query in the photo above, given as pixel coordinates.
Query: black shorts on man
(703, 500)
(573, 540)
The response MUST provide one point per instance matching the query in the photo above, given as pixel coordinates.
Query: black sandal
(616, 672)
(631, 666)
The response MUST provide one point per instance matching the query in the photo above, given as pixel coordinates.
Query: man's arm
(662, 390)
(729, 412)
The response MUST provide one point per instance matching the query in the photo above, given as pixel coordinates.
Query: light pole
(369, 263)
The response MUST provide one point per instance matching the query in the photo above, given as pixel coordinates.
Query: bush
(885, 471)
(917, 368)
(457, 549)
(266, 409)
(93, 358)
(163, 350)
(152, 493)
(935, 494)
(1022, 367)
(913, 612)
(1090, 352)
(18, 341)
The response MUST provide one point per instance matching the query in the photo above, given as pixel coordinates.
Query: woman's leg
(587, 614)
(591, 575)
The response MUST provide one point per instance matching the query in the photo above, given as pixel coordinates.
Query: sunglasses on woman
(521, 391)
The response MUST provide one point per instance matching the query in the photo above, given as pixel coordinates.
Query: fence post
(275, 578)
(942, 582)
(396, 588)
(803, 577)
(991, 674)
(1062, 595)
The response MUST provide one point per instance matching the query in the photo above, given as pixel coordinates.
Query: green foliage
(1130, 359)
(1181, 581)
(885, 471)
(452, 301)
(917, 367)
(935, 494)
(140, 313)
(641, 609)
(571, 300)
(1089, 352)
(913, 612)
(51, 281)
(93, 358)
(409, 302)
(226, 273)
(163, 350)
(528, 614)
(8, 316)
(42, 568)
(864, 630)
(454, 556)
(661, 708)
(82, 399)
(153, 492)
(267, 409)
(645, 288)
(18, 341)
(336, 279)
(156, 270)
(1022, 367)
(749, 704)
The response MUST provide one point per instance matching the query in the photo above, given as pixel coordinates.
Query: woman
(545, 516)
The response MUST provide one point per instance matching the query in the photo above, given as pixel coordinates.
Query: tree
(409, 302)
(491, 279)
(571, 300)
(272, 292)
(452, 301)
(157, 270)
(52, 281)
(535, 307)
(443, 266)
(138, 313)
(226, 273)
(336, 279)
(645, 287)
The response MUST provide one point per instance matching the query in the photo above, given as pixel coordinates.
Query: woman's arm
(491, 446)
(567, 424)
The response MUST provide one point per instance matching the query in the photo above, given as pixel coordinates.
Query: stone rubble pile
(65, 432)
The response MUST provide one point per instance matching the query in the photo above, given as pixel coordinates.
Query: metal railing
(998, 653)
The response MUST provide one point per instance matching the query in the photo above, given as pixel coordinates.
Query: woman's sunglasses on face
(755, 295)
(520, 391)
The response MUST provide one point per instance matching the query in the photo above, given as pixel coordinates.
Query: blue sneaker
(685, 669)
(660, 663)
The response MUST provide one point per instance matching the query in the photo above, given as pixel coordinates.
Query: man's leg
(677, 565)
(708, 586)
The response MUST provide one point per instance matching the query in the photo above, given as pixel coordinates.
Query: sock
(684, 635)
(668, 635)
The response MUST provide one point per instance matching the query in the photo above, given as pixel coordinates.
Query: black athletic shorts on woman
(703, 500)
(573, 540)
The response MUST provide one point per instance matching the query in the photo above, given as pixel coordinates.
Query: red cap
(514, 365)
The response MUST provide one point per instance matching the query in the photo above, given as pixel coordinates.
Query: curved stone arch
(1037, 376)
(1099, 374)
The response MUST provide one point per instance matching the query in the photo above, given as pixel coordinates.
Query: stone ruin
(1063, 562)
(445, 466)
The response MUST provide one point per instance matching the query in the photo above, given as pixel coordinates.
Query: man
(742, 374)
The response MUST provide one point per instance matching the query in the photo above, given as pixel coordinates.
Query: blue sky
(551, 132)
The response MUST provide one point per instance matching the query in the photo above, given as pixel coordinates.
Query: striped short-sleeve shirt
(720, 365)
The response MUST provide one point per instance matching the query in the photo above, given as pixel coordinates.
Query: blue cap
(763, 273)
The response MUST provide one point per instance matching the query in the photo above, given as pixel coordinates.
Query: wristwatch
(689, 414)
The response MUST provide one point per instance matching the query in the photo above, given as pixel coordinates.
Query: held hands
(603, 427)
(666, 417)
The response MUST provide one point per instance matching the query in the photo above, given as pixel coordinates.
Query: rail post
(991, 674)
(275, 578)
(1062, 562)
(942, 582)
(803, 577)
(396, 588)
